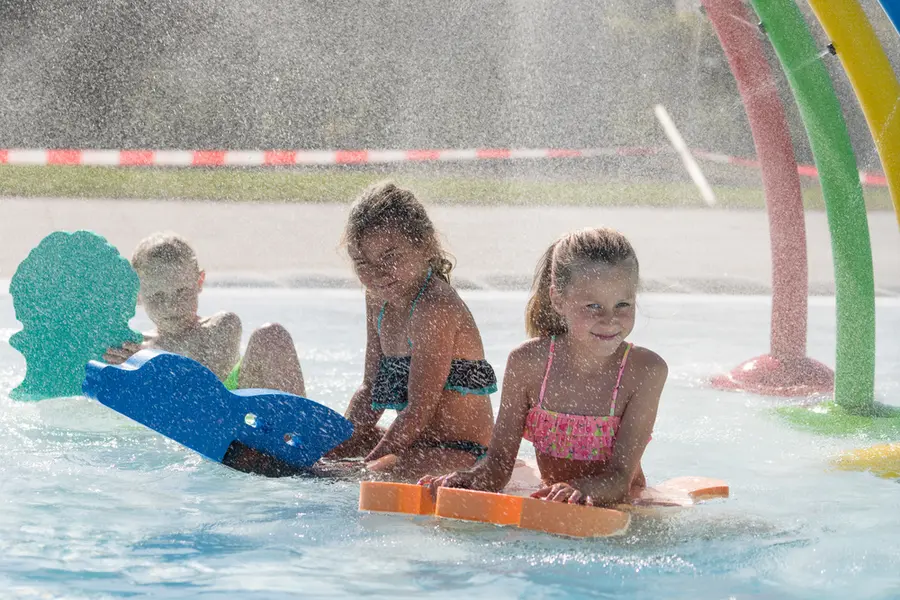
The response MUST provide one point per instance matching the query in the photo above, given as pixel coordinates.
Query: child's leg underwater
(247, 460)
(271, 362)
(363, 441)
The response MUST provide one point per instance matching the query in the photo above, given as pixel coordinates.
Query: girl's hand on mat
(116, 356)
(561, 492)
(457, 479)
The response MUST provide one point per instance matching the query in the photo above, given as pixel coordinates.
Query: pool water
(96, 506)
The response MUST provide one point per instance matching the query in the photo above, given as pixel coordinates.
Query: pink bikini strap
(612, 410)
(547, 372)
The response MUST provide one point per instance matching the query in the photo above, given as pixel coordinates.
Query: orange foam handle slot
(678, 492)
(383, 496)
(572, 520)
(483, 507)
(699, 488)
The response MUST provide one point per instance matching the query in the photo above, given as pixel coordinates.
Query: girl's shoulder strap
(412, 308)
(415, 301)
(381, 316)
(612, 408)
(547, 372)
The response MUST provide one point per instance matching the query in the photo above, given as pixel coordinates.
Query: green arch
(836, 162)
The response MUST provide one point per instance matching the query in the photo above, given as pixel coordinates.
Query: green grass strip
(240, 185)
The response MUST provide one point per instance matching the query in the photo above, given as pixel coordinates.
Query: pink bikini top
(578, 437)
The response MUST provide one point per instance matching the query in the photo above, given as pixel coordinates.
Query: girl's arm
(432, 331)
(360, 411)
(633, 435)
(494, 472)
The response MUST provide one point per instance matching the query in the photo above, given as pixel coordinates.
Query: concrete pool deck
(686, 250)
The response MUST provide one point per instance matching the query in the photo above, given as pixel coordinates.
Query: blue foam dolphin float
(183, 400)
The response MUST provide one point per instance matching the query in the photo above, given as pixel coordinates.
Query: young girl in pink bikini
(586, 398)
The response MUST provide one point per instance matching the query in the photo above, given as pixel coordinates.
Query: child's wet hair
(578, 248)
(385, 206)
(163, 248)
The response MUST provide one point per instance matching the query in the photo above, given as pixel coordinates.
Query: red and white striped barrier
(866, 177)
(265, 158)
(273, 158)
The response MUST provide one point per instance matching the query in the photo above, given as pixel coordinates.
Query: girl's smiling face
(388, 264)
(598, 303)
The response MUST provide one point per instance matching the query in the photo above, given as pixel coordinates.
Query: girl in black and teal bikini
(424, 355)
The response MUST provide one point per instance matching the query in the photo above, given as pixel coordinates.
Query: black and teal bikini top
(391, 387)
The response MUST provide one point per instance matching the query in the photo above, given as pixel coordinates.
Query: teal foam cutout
(74, 295)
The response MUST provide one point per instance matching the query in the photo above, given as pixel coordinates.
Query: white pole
(681, 148)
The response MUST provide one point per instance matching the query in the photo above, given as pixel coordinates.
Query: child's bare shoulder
(648, 359)
(530, 354)
(441, 301)
(647, 369)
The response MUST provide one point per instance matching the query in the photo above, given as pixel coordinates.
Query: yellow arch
(872, 78)
(883, 460)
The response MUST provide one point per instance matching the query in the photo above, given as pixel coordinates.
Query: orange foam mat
(384, 496)
(573, 520)
(485, 507)
(529, 513)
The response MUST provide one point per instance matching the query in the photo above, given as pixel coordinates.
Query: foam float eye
(250, 419)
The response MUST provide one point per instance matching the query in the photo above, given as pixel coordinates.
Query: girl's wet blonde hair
(385, 206)
(555, 268)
